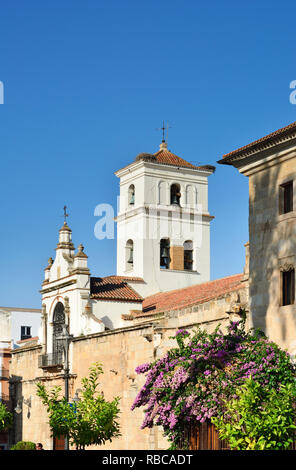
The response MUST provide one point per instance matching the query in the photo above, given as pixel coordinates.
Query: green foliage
(90, 421)
(6, 417)
(260, 418)
(24, 445)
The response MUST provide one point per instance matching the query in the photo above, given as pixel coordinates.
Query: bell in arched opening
(131, 256)
(131, 195)
(188, 255)
(175, 194)
(164, 253)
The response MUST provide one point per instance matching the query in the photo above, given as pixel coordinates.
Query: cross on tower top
(163, 129)
(65, 214)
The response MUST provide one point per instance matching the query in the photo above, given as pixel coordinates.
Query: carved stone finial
(80, 253)
(50, 263)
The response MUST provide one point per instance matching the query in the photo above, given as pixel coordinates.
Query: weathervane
(65, 214)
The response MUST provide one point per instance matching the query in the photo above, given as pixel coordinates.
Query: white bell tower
(163, 223)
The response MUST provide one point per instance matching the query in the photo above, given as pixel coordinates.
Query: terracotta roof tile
(197, 294)
(114, 288)
(168, 158)
(264, 140)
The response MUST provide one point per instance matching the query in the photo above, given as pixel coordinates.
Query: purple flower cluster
(182, 332)
(192, 382)
(142, 369)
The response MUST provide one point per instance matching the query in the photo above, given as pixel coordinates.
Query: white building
(163, 233)
(18, 324)
(163, 244)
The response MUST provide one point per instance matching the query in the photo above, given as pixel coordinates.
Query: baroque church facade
(162, 283)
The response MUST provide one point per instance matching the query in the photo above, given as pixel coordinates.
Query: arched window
(129, 255)
(165, 253)
(190, 196)
(287, 285)
(188, 255)
(175, 194)
(58, 322)
(162, 196)
(131, 195)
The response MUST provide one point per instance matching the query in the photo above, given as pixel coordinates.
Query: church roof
(267, 141)
(188, 296)
(166, 157)
(114, 288)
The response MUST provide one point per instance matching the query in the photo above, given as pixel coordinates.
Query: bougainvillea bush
(192, 382)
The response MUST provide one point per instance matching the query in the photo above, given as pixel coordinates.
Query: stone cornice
(26, 349)
(155, 208)
(112, 332)
(204, 170)
(57, 285)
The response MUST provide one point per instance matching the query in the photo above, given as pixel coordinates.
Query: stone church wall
(120, 352)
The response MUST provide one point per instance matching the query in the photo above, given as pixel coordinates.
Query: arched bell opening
(165, 253)
(129, 255)
(188, 255)
(131, 195)
(175, 194)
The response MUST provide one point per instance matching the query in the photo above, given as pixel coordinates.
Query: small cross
(65, 213)
(163, 129)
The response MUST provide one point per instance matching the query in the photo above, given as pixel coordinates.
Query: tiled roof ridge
(212, 289)
(267, 138)
(170, 158)
(116, 276)
(231, 276)
(175, 159)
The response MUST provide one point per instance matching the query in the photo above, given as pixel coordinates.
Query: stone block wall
(272, 238)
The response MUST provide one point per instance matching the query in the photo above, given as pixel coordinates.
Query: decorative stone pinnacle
(80, 253)
(50, 263)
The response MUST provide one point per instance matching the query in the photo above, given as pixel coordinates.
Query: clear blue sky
(86, 84)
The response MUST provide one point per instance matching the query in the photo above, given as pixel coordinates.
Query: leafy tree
(6, 417)
(260, 418)
(90, 421)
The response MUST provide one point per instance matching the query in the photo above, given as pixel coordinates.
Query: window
(175, 194)
(286, 197)
(162, 192)
(288, 287)
(129, 255)
(190, 196)
(131, 195)
(188, 255)
(57, 325)
(165, 253)
(25, 332)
